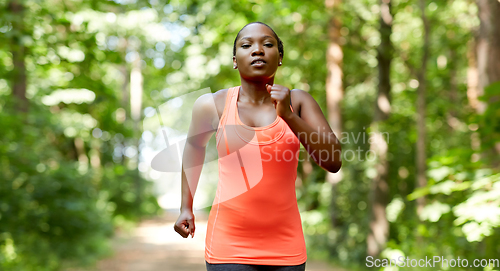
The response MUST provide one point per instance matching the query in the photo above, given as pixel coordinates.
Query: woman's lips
(258, 63)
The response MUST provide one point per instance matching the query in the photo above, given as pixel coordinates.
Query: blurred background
(411, 87)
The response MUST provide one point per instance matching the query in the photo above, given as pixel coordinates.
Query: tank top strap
(231, 104)
(228, 104)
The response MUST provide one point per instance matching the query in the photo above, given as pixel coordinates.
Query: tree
(488, 70)
(334, 89)
(379, 226)
(421, 108)
(18, 50)
(488, 46)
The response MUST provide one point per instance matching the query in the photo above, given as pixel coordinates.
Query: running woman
(254, 223)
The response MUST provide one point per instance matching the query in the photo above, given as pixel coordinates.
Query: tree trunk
(488, 46)
(334, 89)
(136, 81)
(95, 154)
(125, 86)
(488, 63)
(83, 159)
(472, 76)
(136, 89)
(421, 106)
(453, 84)
(18, 56)
(379, 226)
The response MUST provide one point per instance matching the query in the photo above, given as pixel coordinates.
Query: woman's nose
(258, 50)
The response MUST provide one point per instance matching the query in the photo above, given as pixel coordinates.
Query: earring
(234, 67)
(280, 62)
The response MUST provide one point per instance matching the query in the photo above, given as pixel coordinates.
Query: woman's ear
(235, 65)
(280, 60)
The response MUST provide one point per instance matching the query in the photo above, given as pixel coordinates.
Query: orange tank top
(254, 217)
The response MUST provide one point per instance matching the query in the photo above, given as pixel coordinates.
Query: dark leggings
(252, 267)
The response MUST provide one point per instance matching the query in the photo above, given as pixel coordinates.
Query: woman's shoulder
(208, 108)
(209, 99)
(220, 95)
(220, 100)
(298, 97)
(299, 93)
(301, 96)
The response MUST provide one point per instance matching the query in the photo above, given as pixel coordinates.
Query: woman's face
(257, 56)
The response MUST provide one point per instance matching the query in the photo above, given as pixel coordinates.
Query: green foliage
(65, 179)
(46, 204)
(64, 187)
(119, 185)
(463, 199)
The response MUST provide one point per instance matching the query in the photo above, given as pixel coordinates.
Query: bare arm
(311, 128)
(204, 119)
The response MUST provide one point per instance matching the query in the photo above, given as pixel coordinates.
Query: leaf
(419, 192)
(439, 174)
(434, 211)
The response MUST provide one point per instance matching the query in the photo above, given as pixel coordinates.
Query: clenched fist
(185, 224)
(280, 96)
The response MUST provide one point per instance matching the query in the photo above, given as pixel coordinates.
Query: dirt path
(155, 246)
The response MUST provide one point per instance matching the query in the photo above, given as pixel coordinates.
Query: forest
(410, 87)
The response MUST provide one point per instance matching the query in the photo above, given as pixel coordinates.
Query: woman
(254, 223)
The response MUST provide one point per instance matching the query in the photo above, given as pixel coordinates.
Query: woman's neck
(255, 91)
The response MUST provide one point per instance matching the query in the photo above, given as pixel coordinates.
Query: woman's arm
(311, 128)
(204, 117)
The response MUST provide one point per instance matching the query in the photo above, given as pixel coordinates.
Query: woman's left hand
(280, 96)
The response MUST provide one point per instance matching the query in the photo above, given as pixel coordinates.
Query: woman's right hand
(185, 224)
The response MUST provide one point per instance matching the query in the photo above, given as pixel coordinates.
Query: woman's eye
(245, 45)
(269, 44)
